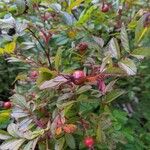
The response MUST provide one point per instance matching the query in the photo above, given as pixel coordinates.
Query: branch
(46, 53)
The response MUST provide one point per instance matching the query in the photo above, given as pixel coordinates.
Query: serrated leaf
(53, 83)
(19, 100)
(141, 52)
(4, 135)
(84, 89)
(70, 141)
(85, 15)
(140, 30)
(124, 39)
(13, 144)
(109, 87)
(65, 96)
(128, 66)
(99, 41)
(56, 7)
(44, 75)
(20, 5)
(23, 125)
(65, 104)
(18, 113)
(13, 130)
(114, 48)
(31, 145)
(27, 45)
(59, 144)
(68, 19)
(111, 96)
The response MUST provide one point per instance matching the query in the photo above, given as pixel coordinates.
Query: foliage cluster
(75, 57)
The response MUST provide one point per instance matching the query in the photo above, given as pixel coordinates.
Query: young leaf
(128, 66)
(124, 38)
(70, 141)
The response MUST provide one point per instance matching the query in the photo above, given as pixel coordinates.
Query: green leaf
(18, 113)
(128, 66)
(44, 75)
(68, 19)
(141, 52)
(53, 83)
(13, 130)
(111, 96)
(140, 30)
(74, 4)
(65, 96)
(58, 59)
(19, 100)
(20, 5)
(85, 15)
(13, 144)
(114, 48)
(84, 89)
(70, 141)
(124, 38)
(59, 144)
(99, 133)
(4, 135)
(1, 51)
(4, 118)
(10, 47)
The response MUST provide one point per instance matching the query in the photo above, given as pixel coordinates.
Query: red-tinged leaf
(53, 83)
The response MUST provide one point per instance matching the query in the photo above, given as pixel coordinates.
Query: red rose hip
(7, 105)
(89, 142)
(82, 47)
(79, 77)
(33, 74)
(78, 74)
(105, 8)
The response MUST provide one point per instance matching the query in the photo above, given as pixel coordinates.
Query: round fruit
(7, 105)
(105, 8)
(79, 74)
(78, 77)
(89, 142)
(82, 47)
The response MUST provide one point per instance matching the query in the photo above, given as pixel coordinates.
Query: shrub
(76, 53)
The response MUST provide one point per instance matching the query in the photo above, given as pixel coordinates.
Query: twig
(46, 53)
